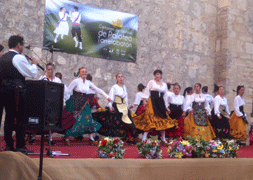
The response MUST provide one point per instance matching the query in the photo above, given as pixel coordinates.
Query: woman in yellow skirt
(155, 117)
(238, 118)
(196, 124)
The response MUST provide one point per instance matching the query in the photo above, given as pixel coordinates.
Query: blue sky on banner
(92, 14)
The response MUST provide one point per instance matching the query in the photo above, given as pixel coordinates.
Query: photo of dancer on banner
(85, 30)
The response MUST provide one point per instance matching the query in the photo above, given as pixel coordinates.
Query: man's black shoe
(24, 150)
(8, 148)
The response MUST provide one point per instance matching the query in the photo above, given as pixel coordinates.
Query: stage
(83, 164)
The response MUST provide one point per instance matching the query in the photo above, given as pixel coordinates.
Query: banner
(81, 29)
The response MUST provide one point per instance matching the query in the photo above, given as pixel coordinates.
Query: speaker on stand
(43, 106)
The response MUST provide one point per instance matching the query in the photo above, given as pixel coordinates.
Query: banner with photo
(80, 29)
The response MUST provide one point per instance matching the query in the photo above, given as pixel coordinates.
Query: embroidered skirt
(237, 128)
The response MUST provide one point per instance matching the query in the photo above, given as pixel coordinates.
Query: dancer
(78, 104)
(14, 67)
(118, 122)
(196, 123)
(176, 102)
(155, 117)
(62, 27)
(76, 19)
(138, 100)
(209, 97)
(187, 96)
(220, 115)
(238, 118)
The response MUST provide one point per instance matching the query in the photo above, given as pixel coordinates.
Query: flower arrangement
(180, 149)
(149, 149)
(199, 147)
(215, 149)
(111, 148)
(231, 148)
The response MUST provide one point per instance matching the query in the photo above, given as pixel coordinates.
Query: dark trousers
(76, 30)
(8, 99)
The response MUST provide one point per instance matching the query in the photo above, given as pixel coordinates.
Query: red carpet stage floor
(82, 149)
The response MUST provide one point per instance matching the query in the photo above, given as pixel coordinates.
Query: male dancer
(76, 19)
(14, 67)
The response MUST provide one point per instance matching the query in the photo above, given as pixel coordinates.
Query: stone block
(242, 4)
(223, 3)
(249, 48)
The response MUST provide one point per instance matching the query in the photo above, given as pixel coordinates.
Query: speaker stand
(49, 152)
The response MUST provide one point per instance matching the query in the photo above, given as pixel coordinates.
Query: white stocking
(91, 137)
(144, 137)
(163, 136)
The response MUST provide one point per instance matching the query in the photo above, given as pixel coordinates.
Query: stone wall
(204, 41)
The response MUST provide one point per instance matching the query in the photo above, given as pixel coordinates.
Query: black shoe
(96, 138)
(79, 138)
(52, 142)
(8, 148)
(24, 150)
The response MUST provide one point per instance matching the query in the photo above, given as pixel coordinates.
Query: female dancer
(155, 117)
(196, 123)
(138, 100)
(62, 27)
(220, 115)
(118, 122)
(176, 102)
(187, 96)
(238, 118)
(78, 104)
(209, 97)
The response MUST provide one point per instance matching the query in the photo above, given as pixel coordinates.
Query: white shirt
(21, 63)
(56, 79)
(83, 87)
(61, 15)
(219, 101)
(90, 91)
(209, 99)
(187, 99)
(176, 99)
(198, 98)
(120, 91)
(238, 101)
(73, 17)
(138, 98)
(153, 86)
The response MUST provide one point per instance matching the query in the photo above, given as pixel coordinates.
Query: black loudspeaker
(43, 105)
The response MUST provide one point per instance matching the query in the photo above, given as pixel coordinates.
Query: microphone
(37, 64)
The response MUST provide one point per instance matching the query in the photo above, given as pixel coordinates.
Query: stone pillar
(234, 49)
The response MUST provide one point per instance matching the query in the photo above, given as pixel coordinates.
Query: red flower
(117, 122)
(111, 156)
(116, 141)
(104, 142)
(235, 151)
(154, 144)
(179, 139)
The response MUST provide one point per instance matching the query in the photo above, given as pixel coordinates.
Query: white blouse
(56, 79)
(238, 101)
(83, 87)
(176, 99)
(153, 86)
(198, 98)
(186, 99)
(120, 91)
(209, 99)
(138, 98)
(219, 101)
